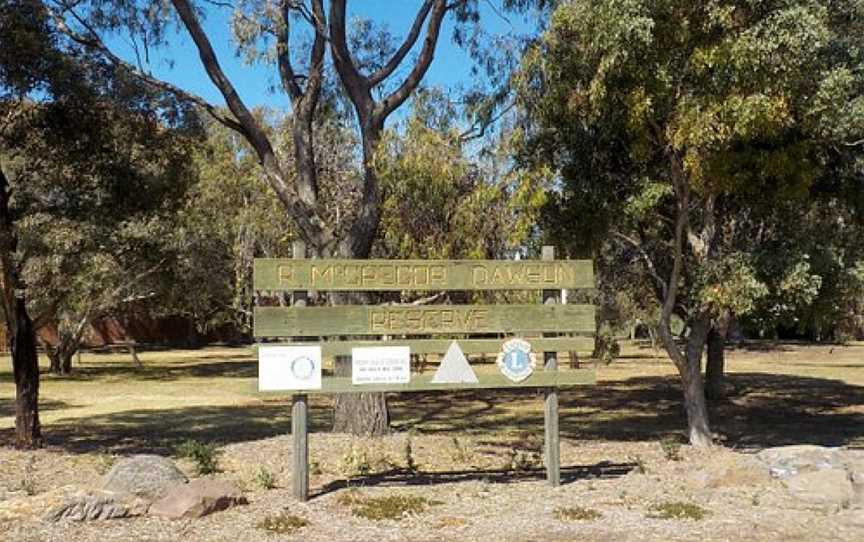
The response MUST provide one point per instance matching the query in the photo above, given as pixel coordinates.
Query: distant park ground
(778, 393)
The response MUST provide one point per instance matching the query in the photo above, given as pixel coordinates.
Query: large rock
(93, 505)
(745, 471)
(828, 489)
(787, 461)
(197, 498)
(146, 476)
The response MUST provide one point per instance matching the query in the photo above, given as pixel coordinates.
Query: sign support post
(300, 412)
(552, 438)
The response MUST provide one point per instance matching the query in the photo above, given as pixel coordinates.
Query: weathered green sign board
(395, 275)
(423, 320)
(381, 338)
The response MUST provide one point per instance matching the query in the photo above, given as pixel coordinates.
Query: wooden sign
(401, 275)
(432, 319)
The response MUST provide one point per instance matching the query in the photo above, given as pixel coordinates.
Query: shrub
(265, 479)
(282, 523)
(576, 513)
(204, 455)
(678, 510)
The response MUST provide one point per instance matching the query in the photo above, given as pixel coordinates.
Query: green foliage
(678, 510)
(364, 458)
(752, 109)
(205, 455)
(282, 523)
(729, 284)
(436, 202)
(606, 346)
(392, 507)
(576, 513)
(671, 447)
(408, 455)
(265, 479)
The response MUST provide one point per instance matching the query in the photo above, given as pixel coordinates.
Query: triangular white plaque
(454, 368)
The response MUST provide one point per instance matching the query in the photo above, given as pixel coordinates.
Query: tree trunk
(362, 414)
(691, 380)
(25, 367)
(22, 333)
(715, 365)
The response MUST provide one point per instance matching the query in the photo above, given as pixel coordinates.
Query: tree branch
(652, 270)
(356, 85)
(283, 54)
(95, 43)
(433, 30)
(407, 45)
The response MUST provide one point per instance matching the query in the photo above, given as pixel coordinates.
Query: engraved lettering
(388, 275)
(421, 276)
(533, 274)
(479, 275)
(352, 275)
(322, 276)
(367, 274)
(286, 274)
(438, 275)
(403, 275)
(378, 321)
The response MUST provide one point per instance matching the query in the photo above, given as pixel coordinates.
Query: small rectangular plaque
(381, 365)
(289, 368)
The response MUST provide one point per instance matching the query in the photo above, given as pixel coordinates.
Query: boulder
(828, 489)
(745, 471)
(197, 498)
(787, 461)
(98, 504)
(146, 476)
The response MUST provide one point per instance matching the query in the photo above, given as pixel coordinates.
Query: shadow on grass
(7, 406)
(395, 478)
(228, 368)
(763, 410)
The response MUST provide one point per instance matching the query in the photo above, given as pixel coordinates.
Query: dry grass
(110, 405)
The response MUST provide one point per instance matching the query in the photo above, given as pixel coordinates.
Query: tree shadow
(401, 477)
(229, 368)
(7, 406)
(762, 410)
(160, 431)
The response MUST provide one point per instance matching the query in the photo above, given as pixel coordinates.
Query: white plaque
(289, 368)
(381, 365)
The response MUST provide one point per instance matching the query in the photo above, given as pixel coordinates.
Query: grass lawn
(779, 393)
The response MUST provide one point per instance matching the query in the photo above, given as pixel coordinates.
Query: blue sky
(180, 65)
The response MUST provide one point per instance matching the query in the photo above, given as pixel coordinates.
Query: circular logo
(302, 368)
(516, 361)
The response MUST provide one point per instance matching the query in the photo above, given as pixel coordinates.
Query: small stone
(146, 476)
(197, 498)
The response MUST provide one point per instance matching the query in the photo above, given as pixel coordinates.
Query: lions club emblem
(516, 361)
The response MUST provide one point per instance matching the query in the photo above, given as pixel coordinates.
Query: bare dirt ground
(476, 453)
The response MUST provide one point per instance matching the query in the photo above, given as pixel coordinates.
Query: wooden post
(552, 438)
(300, 411)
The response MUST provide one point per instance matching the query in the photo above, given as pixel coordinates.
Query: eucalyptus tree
(665, 120)
(266, 31)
